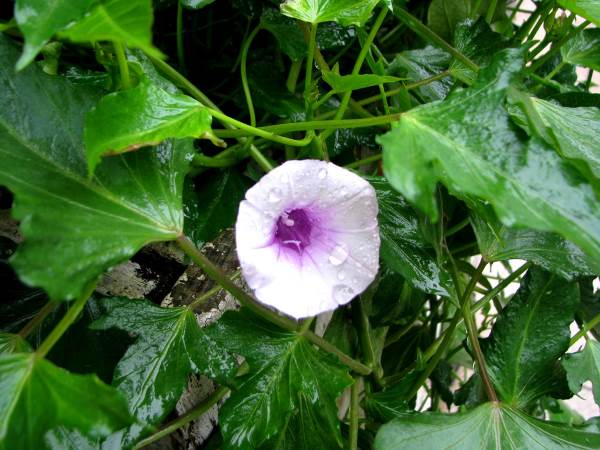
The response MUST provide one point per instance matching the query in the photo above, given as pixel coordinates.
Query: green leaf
(170, 345)
(582, 366)
(589, 9)
(76, 228)
(529, 336)
(36, 396)
(289, 380)
(145, 115)
(212, 204)
(497, 242)
(575, 130)
(126, 21)
(420, 64)
(344, 12)
(403, 247)
(487, 427)
(444, 15)
(343, 83)
(38, 20)
(469, 143)
(13, 343)
(583, 49)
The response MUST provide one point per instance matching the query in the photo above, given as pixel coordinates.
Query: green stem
(588, 326)
(360, 162)
(179, 31)
(285, 128)
(65, 322)
(386, 106)
(472, 331)
(459, 226)
(364, 51)
(415, 24)
(208, 294)
(355, 365)
(244, 74)
(123, 65)
(532, 20)
(353, 438)
(216, 274)
(260, 159)
(557, 46)
(38, 319)
(192, 414)
(555, 70)
(588, 81)
(500, 287)
(292, 78)
(312, 43)
(490, 11)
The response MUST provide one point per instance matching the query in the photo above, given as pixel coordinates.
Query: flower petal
(342, 257)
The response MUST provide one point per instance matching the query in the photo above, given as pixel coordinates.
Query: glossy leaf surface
(590, 9)
(126, 21)
(76, 228)
(497, 242)
(38, 20)
(583, 366)
(575, 130)
(487, 427)
(529, 336)
(468, 143)
(345, 12)
(290, 382)
(61, 399)
(583, 49)
(170, 345)
(145, 115)
(403, 247)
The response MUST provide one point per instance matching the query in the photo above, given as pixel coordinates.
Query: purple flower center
(294, 229)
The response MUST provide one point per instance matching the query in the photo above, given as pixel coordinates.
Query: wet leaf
(583, 49)
(68, 220)
(529, 336)
(170, 345)
(61, 399)
(489, 426)
(589, 9)
(144, 115)
(39, 20)
(344, 12)
(583, 366)
(468, 143)
(289, 381)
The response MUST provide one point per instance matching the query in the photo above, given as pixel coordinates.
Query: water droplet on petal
(342, 293)
(343, 192)
(275, 195)
(338, 255)
(322, 174)
(341, 275)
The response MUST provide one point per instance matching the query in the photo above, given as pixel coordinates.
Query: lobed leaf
(468, 143)
(142, 116)
(344, 12)
(583, 366)
(170, 345)
(76, 228)
(61, 399)
(529, 336)
(589, 9)
(583, 49)
(487, 427)
(290, 384)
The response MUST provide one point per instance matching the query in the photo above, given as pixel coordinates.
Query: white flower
(307, 237)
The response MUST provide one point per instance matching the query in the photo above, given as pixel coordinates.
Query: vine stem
(311, 125)
(426, 33)
(216, 274)
(192, 414)
(65, 322)
(353, 438)
(244, 74)
(367, 160)
(312, 43)
(584, 329)
(123, 65)
(38, 319)
(472, 331)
